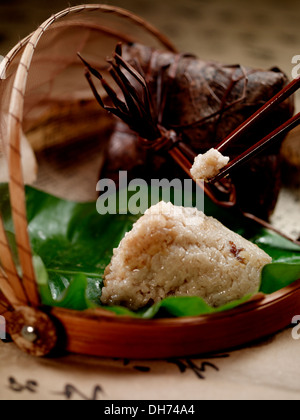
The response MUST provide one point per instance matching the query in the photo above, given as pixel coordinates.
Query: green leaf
(279, 248)
(43, 281)
(279, 275)
(73, 297)
(5, 208)
(180, 306)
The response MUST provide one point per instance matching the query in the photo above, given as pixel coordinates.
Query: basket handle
(14, 124)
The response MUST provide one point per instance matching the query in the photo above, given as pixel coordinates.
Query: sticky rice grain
(176, 251)
(208, 165)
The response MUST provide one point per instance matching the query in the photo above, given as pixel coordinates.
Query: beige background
(263, 33)
(268, 370)
(256, 33)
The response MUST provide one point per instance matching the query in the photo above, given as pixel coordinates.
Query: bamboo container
(33, 76)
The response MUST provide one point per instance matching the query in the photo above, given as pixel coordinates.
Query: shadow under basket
(41, 83)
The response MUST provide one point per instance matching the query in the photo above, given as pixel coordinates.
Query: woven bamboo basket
(24, 85)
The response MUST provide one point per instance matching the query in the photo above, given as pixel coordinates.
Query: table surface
(257, 33)
(269, 369)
